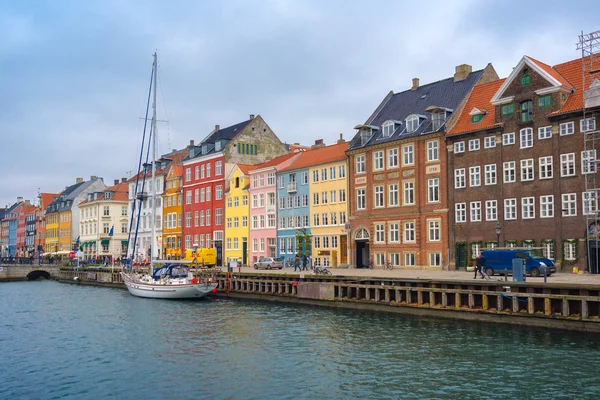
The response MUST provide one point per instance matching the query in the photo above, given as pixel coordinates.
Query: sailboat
(166, 279)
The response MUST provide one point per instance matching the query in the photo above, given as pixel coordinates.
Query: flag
(112, 231)
(77, 241)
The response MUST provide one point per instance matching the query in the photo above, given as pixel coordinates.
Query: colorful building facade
(173, 213)
(237, 230)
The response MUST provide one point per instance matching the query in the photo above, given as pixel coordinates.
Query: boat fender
(194, 280)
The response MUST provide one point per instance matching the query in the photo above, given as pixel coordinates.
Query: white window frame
(475, 211)
(588, 162)
(433, 150)
(545, 132)
(475, 176)
(489, 142)
(460, 179)
(491, 210)
(545, 167)
(569, 204)
(360, 164)
(528, 207)
(547, 206)
(490, 174)
(392, 158)
(433, 190)
(508, 139)
(526, 138)
(510, 209)
(527, 166)
(460, 212)
(474, 144)
(567, 128)
(567, 163)
(459, 147)
(587, 125)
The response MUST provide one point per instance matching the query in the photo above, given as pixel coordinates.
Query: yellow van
(205, 257)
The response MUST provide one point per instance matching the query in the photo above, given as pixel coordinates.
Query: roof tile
(480, 98)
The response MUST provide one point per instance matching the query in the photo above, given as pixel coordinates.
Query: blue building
(10, 224)
(293, 210)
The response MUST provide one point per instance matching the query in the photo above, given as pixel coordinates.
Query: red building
(204, 171)
(23, 210)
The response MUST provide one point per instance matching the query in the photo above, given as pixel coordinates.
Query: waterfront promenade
(569, 278)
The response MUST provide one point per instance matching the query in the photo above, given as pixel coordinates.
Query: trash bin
(518, 270)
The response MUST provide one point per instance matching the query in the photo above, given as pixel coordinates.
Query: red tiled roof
(245, 168)
(571, 70)
(46, 198)
(480, 97)
(323, 155)
(273, 162)
(551, 71)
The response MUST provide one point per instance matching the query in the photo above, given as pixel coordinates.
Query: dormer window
(476, 118)
(218, 146)
(525, 78)
(388, 128)
(476, 115)
(412, 123)
(204, 149)
(107, 195)
(437, 119)
(365, 135)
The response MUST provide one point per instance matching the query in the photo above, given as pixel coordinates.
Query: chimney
(341, 139)
(78, 180)
(123, 180)
(93, 177)
(461, 72)
(217, 127)
(251, 116)
(19, 199)
(318, 144)
(116, 182)
(415, 85)
(191, 142)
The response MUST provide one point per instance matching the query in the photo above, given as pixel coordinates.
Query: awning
(124, 242)
(105, 241)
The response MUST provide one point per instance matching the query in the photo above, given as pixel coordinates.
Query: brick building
(397, 186)
(250, 142)
(516, 163)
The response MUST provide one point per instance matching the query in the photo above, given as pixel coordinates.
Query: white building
(100, 213)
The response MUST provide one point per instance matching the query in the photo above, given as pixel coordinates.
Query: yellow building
(172, 214)
(328, 177)
(52, 229)
(237, 212)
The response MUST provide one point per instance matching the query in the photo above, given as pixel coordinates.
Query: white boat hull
(167, 291)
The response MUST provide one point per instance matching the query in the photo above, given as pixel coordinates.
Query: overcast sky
(74, 74)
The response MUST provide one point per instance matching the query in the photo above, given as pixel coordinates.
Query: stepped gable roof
(245, 168)
(571, 71)
(480, 98)
(322, 155)
(46, 198)
(445, 94)
(119, 193)
(273, 162)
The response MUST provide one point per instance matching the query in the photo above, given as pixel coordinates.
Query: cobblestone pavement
(585, 279)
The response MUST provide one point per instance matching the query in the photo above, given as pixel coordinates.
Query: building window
(547, 206)
(360, 164)
(393, 158)
(218, 192)
(474, 176)
(188, 197)
(410, 259)
(459, 178)
(489, 142)
(106, 211)
(460, 212)
(588, 161)
(408, 152)
(409, 232)
(378, 160)
(567, 164)
(548, 249)
(433, 150)
(409, 193)
(526, 111)
(394, 232)
(394, 259)
(567, 128)
(388, 129)
(459, 147)
(508, 109)
(473, 144)
(545, 167)
(435, 259)
(475, 208)
(331, 172)
(412, 123)
(545, 132)
(545, 101)
(434, 230)
(475, 250)
(361, 199)
(528, 207)
(188, 174)
(527, 170)
(188, 219)
(525, 78)
(433, 190)
(491, 213)
(569, 205)
(218, 168)
(392, 195)
(587, 125)
(590, 202)
(476, 118)
(379, 233)
(324, 174)
(342, 195)
(490, 174)
(378, 197)
(510, 209)
(526, 138)
(508, 139)
(569, 250)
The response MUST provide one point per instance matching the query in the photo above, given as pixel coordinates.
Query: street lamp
(498, 230)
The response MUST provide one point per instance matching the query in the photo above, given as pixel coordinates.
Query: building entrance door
(219, 251)
(343, 249)
(461, 256)
(362, 254)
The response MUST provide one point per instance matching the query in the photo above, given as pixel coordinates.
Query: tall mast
(154, 136)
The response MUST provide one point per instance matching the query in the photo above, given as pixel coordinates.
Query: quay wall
(558, 305)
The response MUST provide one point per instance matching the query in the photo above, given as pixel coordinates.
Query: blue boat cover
(170, 270)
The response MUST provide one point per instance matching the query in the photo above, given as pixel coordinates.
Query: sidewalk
(583, 279)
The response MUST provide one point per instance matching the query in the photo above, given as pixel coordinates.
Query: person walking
(297, 263)
(304, 263)
(479, 265)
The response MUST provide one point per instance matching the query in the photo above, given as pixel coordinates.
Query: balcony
(271, 209)
(291, 187)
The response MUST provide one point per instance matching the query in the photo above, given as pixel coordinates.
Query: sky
(74, 74)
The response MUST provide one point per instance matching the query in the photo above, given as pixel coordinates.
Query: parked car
(500, 261)
(269, 263)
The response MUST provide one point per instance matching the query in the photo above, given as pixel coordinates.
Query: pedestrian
(479, 265)
(309, 259)
(304, 263)
(297, 263)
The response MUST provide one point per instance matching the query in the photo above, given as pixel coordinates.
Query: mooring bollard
(545, 273)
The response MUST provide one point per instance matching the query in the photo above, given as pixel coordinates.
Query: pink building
(263, 206)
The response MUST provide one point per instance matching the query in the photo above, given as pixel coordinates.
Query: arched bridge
(28, 272)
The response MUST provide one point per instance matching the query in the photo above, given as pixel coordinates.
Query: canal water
(69, 341)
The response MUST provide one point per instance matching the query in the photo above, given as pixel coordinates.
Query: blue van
(500, 261)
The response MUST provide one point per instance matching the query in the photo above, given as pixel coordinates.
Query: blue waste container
(518, 270)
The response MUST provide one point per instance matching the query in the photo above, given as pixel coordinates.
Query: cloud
(75, 74)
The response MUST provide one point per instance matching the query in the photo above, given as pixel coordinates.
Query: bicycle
(388, 265)
(321, 271)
